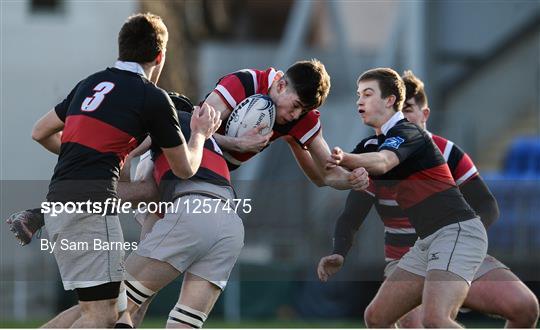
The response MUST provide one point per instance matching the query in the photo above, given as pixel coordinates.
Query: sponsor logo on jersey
(393, 142)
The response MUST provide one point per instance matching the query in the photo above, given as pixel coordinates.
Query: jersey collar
(130, 66)
(391, 122)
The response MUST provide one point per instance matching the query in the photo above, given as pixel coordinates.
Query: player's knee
(185, 316)
(526, 311)
(373, 318)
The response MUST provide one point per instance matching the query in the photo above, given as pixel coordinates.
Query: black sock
(123, 325)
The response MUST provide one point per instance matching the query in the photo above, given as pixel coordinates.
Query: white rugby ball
(253, 111)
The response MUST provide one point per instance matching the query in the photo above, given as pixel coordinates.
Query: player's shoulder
(407, 130)
(366, 144)
(447, 146)
(155, 94)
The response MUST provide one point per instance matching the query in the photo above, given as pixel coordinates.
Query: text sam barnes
(96, 245)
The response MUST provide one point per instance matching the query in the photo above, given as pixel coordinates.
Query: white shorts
(203, 244)
(488, 264)
(80, 265)
(458, 248)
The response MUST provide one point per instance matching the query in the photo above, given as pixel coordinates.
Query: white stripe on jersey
(447, 149)
(369, 193)
(254, 75)
(389, 259)
(271, 77)
(310, 133)
(371, 141)
(226, 95)
(399, 230)
(467, 175)
(388, 202)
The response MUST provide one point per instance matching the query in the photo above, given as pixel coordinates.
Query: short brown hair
(389, 82)
(142, 38)
(310, 81)
(415, 88)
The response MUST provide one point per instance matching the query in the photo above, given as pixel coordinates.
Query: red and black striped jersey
(400, 235)
(213, 167)
(235, 87)
(107, 115)
(418, 196)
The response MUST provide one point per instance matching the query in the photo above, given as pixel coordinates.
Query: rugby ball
(253, 111)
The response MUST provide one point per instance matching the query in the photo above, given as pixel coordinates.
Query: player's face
(371, 106)
(287, 103)
(414, 113)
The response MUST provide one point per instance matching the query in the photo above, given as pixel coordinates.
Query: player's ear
(159, 58)
(426, 112)
(281, 85)
(390, 101)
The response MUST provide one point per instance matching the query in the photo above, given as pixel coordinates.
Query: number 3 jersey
(105, 117)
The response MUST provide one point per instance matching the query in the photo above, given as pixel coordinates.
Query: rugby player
(104, 117)
(296, 94)
(438, 269)
(203, 245)
(493, 279)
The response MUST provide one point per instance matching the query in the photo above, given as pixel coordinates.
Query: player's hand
(329, 265)
(359, 179)
(205, 120)
(335, 158)
(254, 140)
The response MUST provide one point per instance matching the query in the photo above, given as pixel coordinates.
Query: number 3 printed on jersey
(91, 103)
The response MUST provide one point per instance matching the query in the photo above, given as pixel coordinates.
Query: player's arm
(125, 172)
(479, 197)
(252, 141)
(305, 162)
(185, 159)
(376, 163)
(400, 144)
(47, 131)
(142, 188)
(356, 210)
(311, 161)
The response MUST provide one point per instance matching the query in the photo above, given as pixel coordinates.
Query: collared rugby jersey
(235, 87)
(418, 196)
(106, 116)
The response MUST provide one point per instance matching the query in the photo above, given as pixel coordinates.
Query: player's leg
(94, 273)
(413, 319)
(399, 294)
(207, 277)
(197, 298)
(96, 310)
(65, 319)
(500, 292)
(147, 222)
(444, 293)
(455, 253)
(145, 277)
